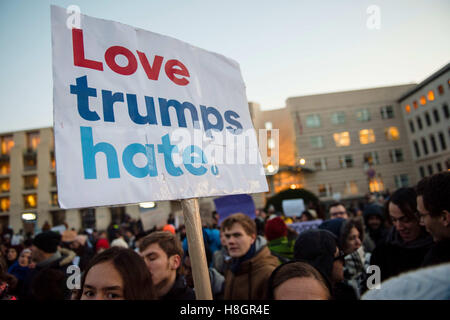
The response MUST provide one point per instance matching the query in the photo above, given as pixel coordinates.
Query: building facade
(426, 117)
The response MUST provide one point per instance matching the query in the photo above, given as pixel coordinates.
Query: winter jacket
(439, 253)
(282, 248)
(221, 260)
(217, 283)
(394, 256)
(250, 280)
(179, 290)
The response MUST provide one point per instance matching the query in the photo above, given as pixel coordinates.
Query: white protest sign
(293, 207)
(139, 117)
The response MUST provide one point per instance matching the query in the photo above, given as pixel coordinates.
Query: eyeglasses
(339, 213)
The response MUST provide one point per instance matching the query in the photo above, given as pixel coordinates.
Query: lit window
(376, 184)
(366, 136)
(325, 190)
(430, 95)
(4, 185)
(316, 141)
(401, 181)
(7, 143)
(54, 199)
(422, 100)
(363, 115)
(33, 140)
(268, 125)
(441, 90)
(52, 160)
(392, 133)
(30, 201)
(351, 187)
(415, 104)
(4, 204)
(346, 161)
(371, 158)
(30, 182)
(387, 112)
(408, 108)
(5, 167)
(313, 121)
(338, 117)
(342, 139)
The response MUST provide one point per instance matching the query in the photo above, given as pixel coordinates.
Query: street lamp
(302, 161)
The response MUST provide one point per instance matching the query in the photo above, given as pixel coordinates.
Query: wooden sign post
(200, 273)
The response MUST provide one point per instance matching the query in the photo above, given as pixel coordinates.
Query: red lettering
(151, 71)
(78, 52)
(171, 71)
(110, 56)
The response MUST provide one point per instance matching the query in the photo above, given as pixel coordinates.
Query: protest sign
(300, 227)
(241, 203)
(139, 117)
(293, 207)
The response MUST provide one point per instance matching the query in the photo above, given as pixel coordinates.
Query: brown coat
(251, 281)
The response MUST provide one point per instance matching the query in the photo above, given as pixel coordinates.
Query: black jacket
(179, 291)
(439, 253)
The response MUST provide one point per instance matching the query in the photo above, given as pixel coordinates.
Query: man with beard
(162, 253)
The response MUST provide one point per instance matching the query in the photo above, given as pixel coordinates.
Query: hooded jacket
(249, 281)
(394, 256)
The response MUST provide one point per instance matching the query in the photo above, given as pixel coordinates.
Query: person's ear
(174, 262)
(253, 238)
(446, 218)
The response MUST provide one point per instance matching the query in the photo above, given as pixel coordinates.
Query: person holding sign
(252, 263)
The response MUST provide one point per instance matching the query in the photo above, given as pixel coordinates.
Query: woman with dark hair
(297, 280)
(108, 277)
(407, 242)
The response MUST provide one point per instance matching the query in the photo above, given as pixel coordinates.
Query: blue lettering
(180, 108)
(206, 111)
(133, 111)
(108, 103)
(188, 160)
(167, 149)
(149, 169)
(83, 93)
(228, 114)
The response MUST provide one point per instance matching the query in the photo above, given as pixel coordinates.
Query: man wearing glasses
(337, 210)
(433, 206)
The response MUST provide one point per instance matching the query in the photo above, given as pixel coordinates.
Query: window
(366, 136)
(442, 141)
(316, 141)
(387, 112)
(313, 121)
(363, 115)
(87, 218)
(325, 190)
(54, 199)
(430, 169)
(425, 146)
(30, 182)
(430, 95)
(52, 179)
(401, 181)
(433, 143)
(4, 204)
(446, 112)
(422, 172)
(436, 115)
(342, 139)
(408, 108)
(439, 167)
(320, 164)
(338, 117)
(33, 140)
(52, 160)
(268, 125)
(422, 100)
(58, 217)
(271, 143)
(7, 143)
(351, 187)
(117, 214)
(4, 185)
(30, 201)
(5, 167)
(416, 149)
(415, 105)
(376, 184)
(411, 126)
(392, 133)
(346, 161)
(30, 161)
(371, 158)
(427, 119)
(441, 90)
(419, 123)
(396, 155)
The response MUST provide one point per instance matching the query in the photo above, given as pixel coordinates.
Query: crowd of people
(394, 248)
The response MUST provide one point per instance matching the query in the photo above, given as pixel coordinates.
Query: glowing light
(408, 108)
(302, 161)
(29, 216)
(147, 205)
(293, 186)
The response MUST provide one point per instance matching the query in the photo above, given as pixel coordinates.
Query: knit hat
(275, 228)
(102, 244)
(47, 241)
(373, 209)
(333, 225)
(170, 228)
(317, 247)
